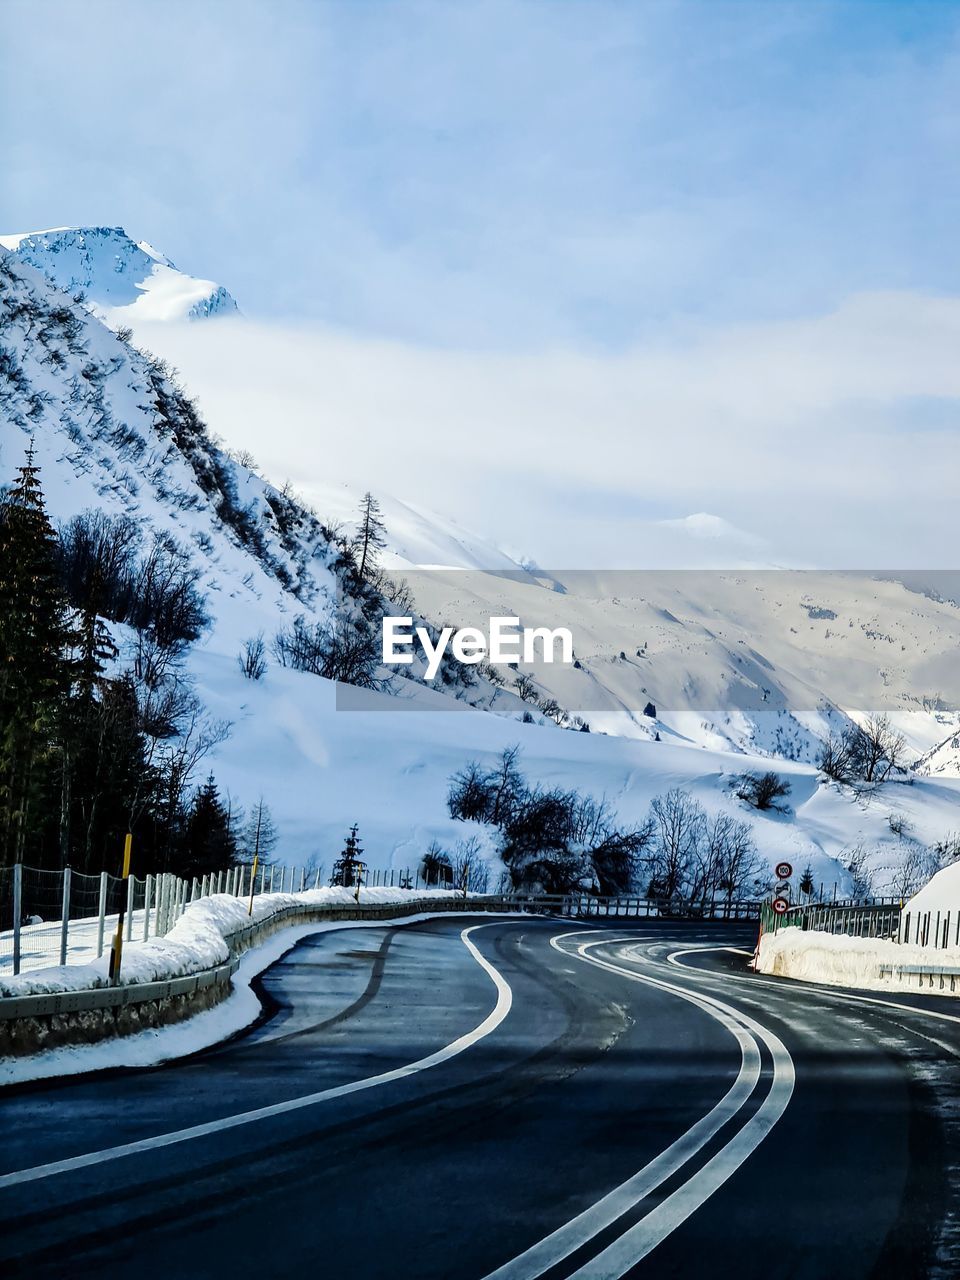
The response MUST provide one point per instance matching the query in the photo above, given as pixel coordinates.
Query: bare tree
(524, 687)
(861, 877)
(470, 872)
(679, 821)
(870, 752)
(878, 749)
(762, 790)
(252, 659)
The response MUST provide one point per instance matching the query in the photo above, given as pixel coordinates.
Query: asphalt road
(527, 1098)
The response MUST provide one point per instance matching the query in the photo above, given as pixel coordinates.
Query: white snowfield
(840, 961)
(198, 939)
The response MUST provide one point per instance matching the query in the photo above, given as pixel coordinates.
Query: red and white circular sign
(780, 905)
(784, 870)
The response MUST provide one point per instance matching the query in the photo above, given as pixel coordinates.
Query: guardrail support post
(65, 915)
(17, 913)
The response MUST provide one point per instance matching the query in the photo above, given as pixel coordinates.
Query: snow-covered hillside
(124, 281)
(113, 431)
(764, 661)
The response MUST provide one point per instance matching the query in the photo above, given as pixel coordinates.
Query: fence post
(101, 913)
(272, 869)
(131, 896)
(17, 913)
(316, 882)
(65, 915)
(303, 878)
(147, 893)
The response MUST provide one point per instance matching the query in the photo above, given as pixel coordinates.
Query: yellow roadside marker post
(116, 951)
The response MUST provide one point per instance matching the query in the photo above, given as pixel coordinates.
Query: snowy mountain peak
(124, 281)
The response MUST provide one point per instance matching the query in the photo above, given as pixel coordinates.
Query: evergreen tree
(209, 844)
(35, 670)
(80, 729)
(370, 538)
(350, 862)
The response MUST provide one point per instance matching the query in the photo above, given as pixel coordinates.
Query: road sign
(780, 905)
(784, 870)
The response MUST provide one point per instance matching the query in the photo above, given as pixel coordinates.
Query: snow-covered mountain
(124, 281)
(114, 432)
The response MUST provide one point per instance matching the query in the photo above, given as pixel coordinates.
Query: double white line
(668, 1214)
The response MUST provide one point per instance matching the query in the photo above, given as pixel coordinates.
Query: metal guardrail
(91, 998)
(873, 919)
(632, 907)
(921, 971)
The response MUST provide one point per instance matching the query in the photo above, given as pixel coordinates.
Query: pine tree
(35, 670)
(350, 862)
(209, 844)
(370, 536)
(80, 731)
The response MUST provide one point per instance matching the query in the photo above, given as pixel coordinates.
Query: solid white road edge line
(553, 1248)
(489, 1024)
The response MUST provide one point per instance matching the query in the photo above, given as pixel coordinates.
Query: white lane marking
(792, 984)
(489, 1024)
(553, 1248)
(640, 1240)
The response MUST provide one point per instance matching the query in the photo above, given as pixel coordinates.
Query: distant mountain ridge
(122, 280)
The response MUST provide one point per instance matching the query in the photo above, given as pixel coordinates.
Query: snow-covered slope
(124, 281)
(113, 431)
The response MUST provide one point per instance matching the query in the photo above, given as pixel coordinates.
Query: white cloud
(834, 439)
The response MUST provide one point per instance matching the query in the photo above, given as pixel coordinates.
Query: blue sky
(500, 174)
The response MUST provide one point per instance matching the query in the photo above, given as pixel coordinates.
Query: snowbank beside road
(198, 940)
(841, 961)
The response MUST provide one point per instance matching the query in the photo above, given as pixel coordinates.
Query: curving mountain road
(504, 1100)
